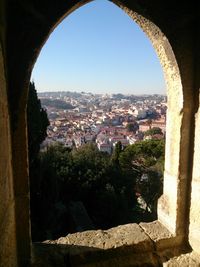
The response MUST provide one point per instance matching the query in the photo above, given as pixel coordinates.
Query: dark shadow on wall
(72, 255)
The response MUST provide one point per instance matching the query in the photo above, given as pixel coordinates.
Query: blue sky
(99, 49)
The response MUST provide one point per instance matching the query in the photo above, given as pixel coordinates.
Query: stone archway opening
(162, 47)
(27, 27)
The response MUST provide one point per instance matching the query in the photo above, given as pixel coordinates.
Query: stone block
(159, 234)
(125, 245)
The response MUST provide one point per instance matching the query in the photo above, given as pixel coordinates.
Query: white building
(105, 148)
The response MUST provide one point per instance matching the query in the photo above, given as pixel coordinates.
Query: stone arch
(28, 27)
(167, 205)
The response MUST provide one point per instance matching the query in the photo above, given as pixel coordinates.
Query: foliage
(37, 121)
(116, 153)
(132, 127)
(147, 158)
(154, 130)
(146, 153)
(85, 175)
(149, 185)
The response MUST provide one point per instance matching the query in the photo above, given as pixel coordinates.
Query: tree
(116, 153)
(154, 130)
(37, 121)
(147, 159)
(132, 127)
(86, 175)
(144, 153)
(150, 185)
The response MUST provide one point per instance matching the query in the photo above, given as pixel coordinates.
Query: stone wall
(174, 32)
(194, 233)
(8, 249)
(168, 203)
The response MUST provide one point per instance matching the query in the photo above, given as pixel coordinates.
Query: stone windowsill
(124, 245)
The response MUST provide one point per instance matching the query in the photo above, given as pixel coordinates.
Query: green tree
(85, 175)
(144, 153)
(146, 158)
(132, 127)
(37, 121)
(154, 130)
(116, 153)
(150, 189)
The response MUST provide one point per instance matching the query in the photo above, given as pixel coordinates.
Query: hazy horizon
(110, 55)
(87, 92)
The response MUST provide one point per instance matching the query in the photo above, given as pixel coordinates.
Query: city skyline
(94, 93)
(110, 55)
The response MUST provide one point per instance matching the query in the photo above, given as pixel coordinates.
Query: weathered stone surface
(172, 210)
(58, 255)
(159, 234)
(8, 247)
(184, 260)
(156, 231)
(194, 227)
(123, 235)
(125, 245)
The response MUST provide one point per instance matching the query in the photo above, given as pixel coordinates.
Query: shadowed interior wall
(8, 250)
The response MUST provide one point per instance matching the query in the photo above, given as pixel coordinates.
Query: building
(103, 147)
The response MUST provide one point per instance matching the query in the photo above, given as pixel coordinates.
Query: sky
(98, 48)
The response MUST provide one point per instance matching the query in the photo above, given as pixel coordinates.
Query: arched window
(27, 27)
(121, 80)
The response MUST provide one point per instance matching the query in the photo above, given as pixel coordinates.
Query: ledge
(147, 244)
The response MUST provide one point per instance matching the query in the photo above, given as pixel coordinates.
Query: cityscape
(79, 118)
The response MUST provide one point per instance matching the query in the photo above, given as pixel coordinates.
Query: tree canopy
(105, 185)
(132, 127)
(154, 130)
(37, 121)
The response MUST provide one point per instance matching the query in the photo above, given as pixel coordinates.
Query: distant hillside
(59, 94)
(56, 103)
